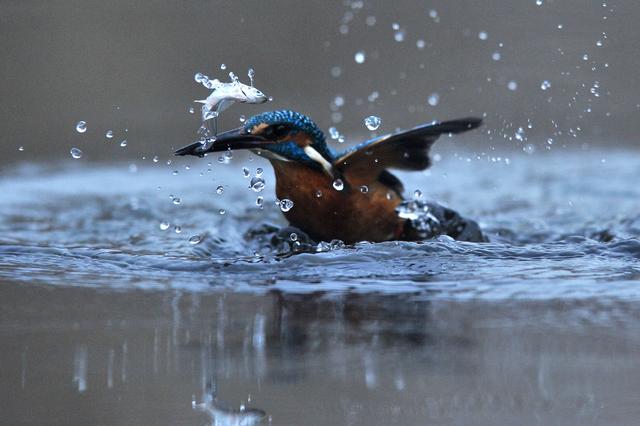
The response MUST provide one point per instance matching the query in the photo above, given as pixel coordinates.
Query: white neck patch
(318, 158)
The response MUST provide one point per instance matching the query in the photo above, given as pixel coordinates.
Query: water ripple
(550, 237)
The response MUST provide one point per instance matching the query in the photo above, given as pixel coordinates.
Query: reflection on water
(223, 415)
(87, 356)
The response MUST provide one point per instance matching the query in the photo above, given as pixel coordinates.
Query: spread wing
(408, 150)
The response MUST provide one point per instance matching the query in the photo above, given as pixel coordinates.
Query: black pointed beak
(231, 139)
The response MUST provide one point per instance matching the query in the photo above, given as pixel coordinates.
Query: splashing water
(257, 184)
(286, 205)
(76, 153)
(251, 73)
(372, 122)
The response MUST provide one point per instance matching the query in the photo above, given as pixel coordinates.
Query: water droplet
(109, 134)
(545, 85)
(246, 172)
(338, 185)
(223, 67)
(259, 171)
(496, 56)
(318, 193)
(550, 141)
(373, 96)
(257, 184)
(175, 173)
(482, 35)
(81, 127)
(433, 99)
(529, 148)
(76, 153)
(519, 134)
(243, 119)
(371, 21)
(539, 2)
(222, 211)
(599, 43)
(336, 72)
(219, 189)
(260, 201)
(293, 236)
(209, 115)
(123, 143)
(420, 44)
(177, 229)
(164, 226)
(585, 57)
(21, 148)
(191, 110)
(195, 239)
(251, 74)
(512, 85)
(364, 189)
(372, 122)
(338, 101)
(417, 194)
(177, 200)
(286, 205)
(360, 57)
(341, 139)
(155, 159)
(199, 77)
(399, 35)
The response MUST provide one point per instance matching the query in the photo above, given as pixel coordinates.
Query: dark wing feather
(408, 150)
(387, 178)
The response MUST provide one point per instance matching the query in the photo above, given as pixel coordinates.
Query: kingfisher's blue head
(282, 135)
(293, 134)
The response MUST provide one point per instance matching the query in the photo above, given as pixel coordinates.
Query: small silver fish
(224, 95)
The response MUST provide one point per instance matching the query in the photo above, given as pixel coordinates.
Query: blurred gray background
(124, 64)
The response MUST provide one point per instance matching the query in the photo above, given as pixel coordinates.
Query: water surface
(106, 318)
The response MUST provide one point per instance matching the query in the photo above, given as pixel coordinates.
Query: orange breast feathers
(353, 214)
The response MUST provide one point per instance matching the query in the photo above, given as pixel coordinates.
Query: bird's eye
(276, 132)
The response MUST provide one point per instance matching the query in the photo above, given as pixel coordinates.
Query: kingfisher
(350, 196)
